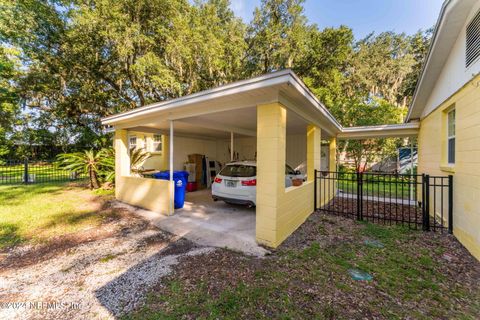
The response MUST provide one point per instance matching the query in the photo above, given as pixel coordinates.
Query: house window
(157, 142)
(472, 52)
(132, 142)
(451, 136)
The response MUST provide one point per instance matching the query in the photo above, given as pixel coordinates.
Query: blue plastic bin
(180, 179)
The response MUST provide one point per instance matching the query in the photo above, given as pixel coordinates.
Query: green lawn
(38, 212)
(307, 278)
(379, 186)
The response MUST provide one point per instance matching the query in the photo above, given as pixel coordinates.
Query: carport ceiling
(242, 122)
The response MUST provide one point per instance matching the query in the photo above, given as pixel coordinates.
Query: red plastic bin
(191, 186)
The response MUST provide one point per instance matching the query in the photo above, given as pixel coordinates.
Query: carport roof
(283, 86)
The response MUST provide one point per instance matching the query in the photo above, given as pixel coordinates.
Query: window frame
(451, 137)
(130, 145)
(155, 144)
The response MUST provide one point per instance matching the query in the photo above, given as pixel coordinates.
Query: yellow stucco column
(332, 152)
(165, 157)
(314, 154)
(271, 154)
(331, 186)
(122, 159)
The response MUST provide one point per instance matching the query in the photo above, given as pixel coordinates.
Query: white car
(237, 182)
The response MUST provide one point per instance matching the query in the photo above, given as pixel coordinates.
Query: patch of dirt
(323, 229)
(219, 270)
(100, 273)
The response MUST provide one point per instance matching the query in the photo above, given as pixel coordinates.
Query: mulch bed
(386, 213)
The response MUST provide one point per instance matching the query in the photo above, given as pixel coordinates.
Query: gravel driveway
(98, 279)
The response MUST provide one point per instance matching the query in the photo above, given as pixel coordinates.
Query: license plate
(230, 183)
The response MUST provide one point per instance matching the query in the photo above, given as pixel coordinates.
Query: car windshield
(239, 170)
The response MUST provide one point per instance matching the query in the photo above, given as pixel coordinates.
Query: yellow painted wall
(280, 211)
(314, 155)
(295, 206)
(151, 194)
(466, 171)
(158, 159)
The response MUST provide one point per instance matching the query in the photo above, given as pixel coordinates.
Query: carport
(273, 119)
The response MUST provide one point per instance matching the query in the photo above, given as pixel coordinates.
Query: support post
(332, 166)
(424, 228)
(271, 154)
(426, 217)
(450, 204)
(315, 193)
(332, 155)
(172, 187)
(359, 196)
(410, 185)
(25, 171)
(122, 160)
(314, 153)
(231, 146)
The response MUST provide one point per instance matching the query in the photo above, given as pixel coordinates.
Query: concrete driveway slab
(210, 223)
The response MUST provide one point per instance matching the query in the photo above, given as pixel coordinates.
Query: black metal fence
(29, 172)
(418, 201)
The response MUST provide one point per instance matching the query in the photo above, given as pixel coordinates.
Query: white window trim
(450, 136)
(129, 142)
(155, 144)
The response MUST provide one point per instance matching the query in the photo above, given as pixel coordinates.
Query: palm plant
(96, 164)
(107, 165)
(137, 158)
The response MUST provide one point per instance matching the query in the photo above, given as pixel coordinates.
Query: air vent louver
(473, 40)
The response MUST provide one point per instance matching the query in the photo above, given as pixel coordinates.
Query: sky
(363, 16)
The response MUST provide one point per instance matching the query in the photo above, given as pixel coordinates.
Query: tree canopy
(67, 63)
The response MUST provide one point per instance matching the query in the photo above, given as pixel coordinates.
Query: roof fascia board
(302, 88)
(233, 88)
(384, 131)
(426, 65)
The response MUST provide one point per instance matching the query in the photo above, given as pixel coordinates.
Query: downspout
(231, 146)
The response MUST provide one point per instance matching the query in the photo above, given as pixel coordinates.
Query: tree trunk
(93, 179)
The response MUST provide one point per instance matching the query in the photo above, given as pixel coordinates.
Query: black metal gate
(417, 201)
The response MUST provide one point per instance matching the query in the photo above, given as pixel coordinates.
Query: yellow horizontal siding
(280, 210)
(432, 157)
